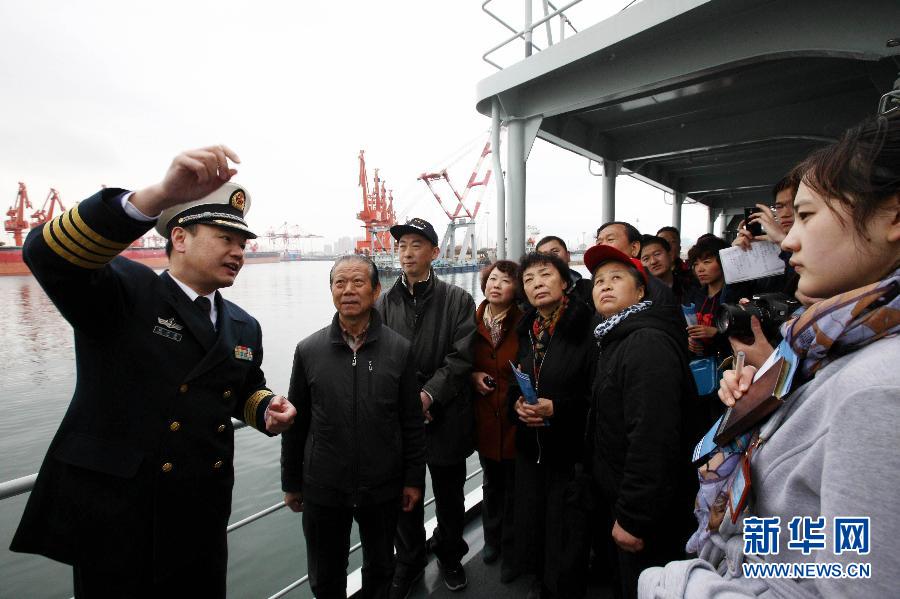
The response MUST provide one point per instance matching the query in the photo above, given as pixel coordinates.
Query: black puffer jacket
(358, 438)
(437, 319)
(640, 433)
(565, 378)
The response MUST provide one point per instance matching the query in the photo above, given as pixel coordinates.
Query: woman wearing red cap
(636, 431)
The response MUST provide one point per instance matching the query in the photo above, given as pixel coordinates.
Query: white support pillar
(515, 158)
(677, 203)
(608, 206)
(498, 177)
(711, 223)
(720, 223)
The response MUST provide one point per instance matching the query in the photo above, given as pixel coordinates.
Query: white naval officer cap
(225, 207)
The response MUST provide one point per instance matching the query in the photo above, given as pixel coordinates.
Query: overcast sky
(107, 92)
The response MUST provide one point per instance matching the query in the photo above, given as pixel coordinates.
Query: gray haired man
(357, 450)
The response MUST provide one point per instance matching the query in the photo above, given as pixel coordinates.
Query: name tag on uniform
(242, 352)
(167, 333)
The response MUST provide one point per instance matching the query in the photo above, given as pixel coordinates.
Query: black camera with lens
(772, 310)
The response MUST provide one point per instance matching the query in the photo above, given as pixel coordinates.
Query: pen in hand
(738, 367)
(739, 363)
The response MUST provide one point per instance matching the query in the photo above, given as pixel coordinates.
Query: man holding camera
(765, 224)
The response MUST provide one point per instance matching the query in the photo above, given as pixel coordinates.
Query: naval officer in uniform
(135, 489)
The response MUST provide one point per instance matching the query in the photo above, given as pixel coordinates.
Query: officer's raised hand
(192, 175)
(279, 415)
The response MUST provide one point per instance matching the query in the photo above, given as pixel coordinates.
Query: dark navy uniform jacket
(140, 470)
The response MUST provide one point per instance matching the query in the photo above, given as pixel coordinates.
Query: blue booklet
(525, 385)
(706, 446)
(524, 382)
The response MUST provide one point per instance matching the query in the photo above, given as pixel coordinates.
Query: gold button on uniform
(218, 464)
(175, 426)
(227, 394)
(221, 428)
(183, 388)
(167, 467)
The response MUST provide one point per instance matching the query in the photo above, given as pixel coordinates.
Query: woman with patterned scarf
(639, 430)
(557, 352)
(816, 484)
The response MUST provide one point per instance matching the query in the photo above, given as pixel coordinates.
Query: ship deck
(484, 579)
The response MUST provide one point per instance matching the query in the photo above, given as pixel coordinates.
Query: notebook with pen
(762, 398)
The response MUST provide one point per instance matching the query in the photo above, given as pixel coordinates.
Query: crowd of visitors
(619, 403)
(604, 446)
(589, 396)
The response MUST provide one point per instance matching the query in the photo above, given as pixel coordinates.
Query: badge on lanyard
(739, 490)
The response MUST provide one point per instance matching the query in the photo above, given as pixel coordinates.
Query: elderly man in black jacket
(439, 320)
(358, 448)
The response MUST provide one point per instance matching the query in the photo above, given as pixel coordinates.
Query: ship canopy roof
(716, 99)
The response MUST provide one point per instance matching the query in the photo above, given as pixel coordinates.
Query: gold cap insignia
(237, 199)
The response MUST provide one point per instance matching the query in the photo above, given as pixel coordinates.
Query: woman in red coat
(495, 345)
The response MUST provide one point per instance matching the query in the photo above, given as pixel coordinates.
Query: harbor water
(290, 300)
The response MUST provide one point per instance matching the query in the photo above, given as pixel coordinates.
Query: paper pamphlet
(761, 260)
(525, 385)
(528, 392)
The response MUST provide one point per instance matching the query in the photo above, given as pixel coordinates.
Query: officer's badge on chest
(168, 328)
(242, 352)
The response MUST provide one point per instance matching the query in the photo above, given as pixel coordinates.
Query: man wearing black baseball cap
(439, 320)
(135, 490)
(416, 226)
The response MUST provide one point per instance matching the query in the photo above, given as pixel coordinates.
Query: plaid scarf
(542, 330)
(845, 323)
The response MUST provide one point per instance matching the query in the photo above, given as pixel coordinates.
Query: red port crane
(39, 217)
(377, 212)
(16, 222)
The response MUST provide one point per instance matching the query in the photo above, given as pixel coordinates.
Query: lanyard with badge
(739, 431)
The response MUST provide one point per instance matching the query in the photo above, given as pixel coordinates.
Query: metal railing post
(527, 30)
(525, 34)
(547, 25)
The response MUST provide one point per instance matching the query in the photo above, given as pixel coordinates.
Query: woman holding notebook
(817, 481)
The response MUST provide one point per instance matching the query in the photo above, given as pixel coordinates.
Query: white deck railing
(24, 484)
(526, 34)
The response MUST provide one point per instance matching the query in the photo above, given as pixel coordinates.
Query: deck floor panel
(484, 579)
